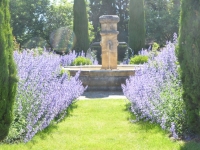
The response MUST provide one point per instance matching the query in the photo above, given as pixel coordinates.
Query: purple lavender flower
(155, 91)
(173, 131)
(43, 93)
(67, 60)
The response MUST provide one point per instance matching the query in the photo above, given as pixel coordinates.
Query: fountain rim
(96, 68)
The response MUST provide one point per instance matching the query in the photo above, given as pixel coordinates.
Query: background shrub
(72, 59)
(66, 60)
(139, 59)
(81, 61)
(155, 46)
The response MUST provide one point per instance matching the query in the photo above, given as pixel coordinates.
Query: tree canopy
(111, 7)
(28, 18)
(34, 21)
(162, 18)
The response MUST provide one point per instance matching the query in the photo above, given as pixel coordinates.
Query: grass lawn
(101, 125)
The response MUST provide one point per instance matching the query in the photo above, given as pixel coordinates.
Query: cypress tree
(80, 26)
(136, 25)
(189, 59)
(7, 70)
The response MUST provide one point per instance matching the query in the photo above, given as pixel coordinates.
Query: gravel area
(102, 95)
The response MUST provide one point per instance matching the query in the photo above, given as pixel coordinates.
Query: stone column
(109, 41)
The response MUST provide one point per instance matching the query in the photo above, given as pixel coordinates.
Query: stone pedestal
(109, 41)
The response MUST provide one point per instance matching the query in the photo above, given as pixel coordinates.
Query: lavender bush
(43, 93)
(155, 92)
(67, 60)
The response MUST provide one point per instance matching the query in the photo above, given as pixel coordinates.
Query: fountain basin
(98, 79)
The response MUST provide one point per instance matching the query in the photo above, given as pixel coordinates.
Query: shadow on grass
(101, 94)
(53, 126)
(143, 125)
(70, 109)
(191, 146)
(152, 127)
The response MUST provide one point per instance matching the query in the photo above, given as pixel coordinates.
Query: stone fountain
(109, 76)
(109, 41)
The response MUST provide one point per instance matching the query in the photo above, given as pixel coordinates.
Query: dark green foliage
(81, 61)
(139, 59)
(28, 19)
(34, 22)
(7, 70)
(58, 26)
(161, 18)
(136, 25)
(121, 52)
(189, 58)
(80, 26)
(110, 7)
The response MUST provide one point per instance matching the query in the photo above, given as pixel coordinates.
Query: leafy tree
(113, 7)
(108, 7)
(122, 10)
(136, 25)
(80, 26)
(161, 19)
(95, 13)
(189, 58)
(58, 28)
(8, 70)
(35, 22)
(28, 18)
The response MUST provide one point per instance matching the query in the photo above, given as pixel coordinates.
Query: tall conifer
(136, 25)
(80, 26)
(189, 58)
(7, 70)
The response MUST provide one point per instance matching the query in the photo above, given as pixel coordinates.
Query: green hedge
(81, 61)
(139, 59)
